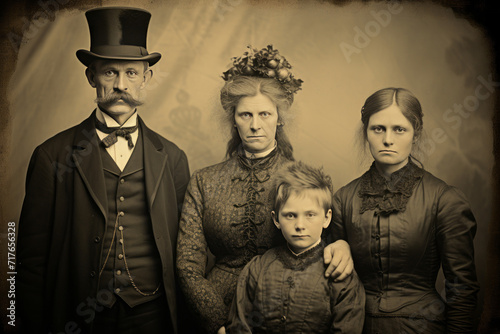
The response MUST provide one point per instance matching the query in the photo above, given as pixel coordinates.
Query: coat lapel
(155, 160)
(87, 160)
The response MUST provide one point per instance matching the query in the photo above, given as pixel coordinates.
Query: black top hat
(118, 33)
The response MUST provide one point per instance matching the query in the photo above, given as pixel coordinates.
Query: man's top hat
(118, 33)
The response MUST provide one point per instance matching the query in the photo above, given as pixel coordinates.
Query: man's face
(118, 84)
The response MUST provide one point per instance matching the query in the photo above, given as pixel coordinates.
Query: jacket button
(120, 256)
(121, 241)
(120, 228)
(97, 239)
(117, 290)
(121, 214)
(92, 274)
(380, 273)
(283, 319)
(122, 181)
(122, 198)
(377, 255)
(118, 272)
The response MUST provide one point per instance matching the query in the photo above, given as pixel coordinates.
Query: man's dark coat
(63, 221)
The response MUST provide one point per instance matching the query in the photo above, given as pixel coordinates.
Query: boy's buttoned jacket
(280, 292)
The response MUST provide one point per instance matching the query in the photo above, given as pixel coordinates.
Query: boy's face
(302, 219)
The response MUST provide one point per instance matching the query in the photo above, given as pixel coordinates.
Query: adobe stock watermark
(87, 309)
(11, 273)
(363, 37)
(455, 116)
(436, 309)
(159, 76)
(222, 7)
(32, 27)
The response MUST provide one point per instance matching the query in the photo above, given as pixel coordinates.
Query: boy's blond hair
(297, 177)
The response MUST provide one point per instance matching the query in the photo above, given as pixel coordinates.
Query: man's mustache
(113, 97)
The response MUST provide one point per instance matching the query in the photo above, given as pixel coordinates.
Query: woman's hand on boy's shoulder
(338, 257)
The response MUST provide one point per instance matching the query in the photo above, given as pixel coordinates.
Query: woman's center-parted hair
(244, 86)
(297, 178)
(384, 98)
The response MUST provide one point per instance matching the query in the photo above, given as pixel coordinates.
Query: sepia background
(343, 54)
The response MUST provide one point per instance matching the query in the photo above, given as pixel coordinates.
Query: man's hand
(338, 257)
(222, 330)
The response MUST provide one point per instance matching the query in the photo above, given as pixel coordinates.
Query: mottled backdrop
(343, 54)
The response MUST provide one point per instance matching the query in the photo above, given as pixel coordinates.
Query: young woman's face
(256, 118)
(390, 137)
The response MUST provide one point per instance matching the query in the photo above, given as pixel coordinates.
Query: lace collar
(303, 260)
(388, 196)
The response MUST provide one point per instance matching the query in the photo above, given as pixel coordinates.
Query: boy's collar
(305, 250)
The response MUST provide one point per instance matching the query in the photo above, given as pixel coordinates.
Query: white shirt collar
(250, 155)
(110, 122)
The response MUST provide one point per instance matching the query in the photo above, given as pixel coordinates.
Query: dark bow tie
(113, 132)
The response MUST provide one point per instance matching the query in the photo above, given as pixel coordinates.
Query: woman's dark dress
(400, 232)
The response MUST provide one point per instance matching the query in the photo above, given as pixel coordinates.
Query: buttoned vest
(130, 266)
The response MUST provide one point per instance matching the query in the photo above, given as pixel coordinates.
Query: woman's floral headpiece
(266, 63)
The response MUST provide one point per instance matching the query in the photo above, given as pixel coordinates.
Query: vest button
(118, 272)
(97, 239)
(120, 256)
(122, 181)
(117, 290)
(122, 198)
(121, 229)
(121, 241)
(92, 274)
(283, 319)
(121, 214)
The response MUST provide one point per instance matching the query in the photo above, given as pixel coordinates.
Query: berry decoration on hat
(266, 63)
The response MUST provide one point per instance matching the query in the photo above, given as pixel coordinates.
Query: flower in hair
(266, 63)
